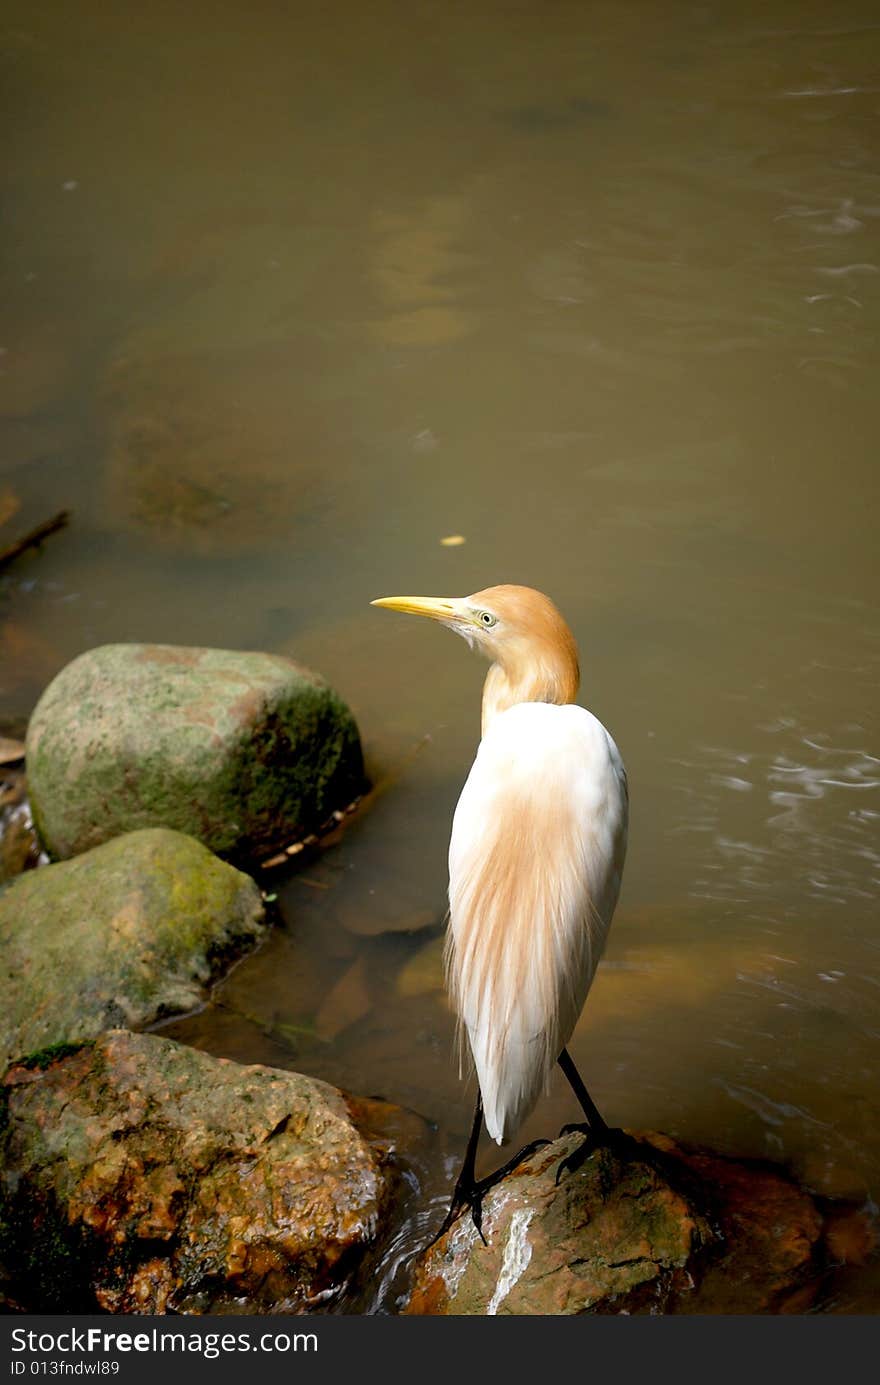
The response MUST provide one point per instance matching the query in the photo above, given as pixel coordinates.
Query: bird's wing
(535, 861)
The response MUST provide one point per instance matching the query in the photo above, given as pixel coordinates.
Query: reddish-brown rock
(142, 1176)
(669, 1232)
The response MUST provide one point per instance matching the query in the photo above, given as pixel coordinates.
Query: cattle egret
(535, 862)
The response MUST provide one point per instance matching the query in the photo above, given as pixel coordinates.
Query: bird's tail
(519, 956)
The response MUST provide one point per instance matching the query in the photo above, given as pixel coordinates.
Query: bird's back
(535, 861)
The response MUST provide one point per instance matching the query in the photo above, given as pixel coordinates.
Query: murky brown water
(292, 293)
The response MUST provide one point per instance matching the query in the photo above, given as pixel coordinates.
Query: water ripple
(815, 836)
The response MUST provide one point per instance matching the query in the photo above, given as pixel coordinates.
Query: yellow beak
(438, 608)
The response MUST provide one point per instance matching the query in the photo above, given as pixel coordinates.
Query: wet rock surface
(142, 1176)
(663, 1231)
(19, 845)
(123, 934)
(244, 751)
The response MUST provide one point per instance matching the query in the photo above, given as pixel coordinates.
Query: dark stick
(35, 537)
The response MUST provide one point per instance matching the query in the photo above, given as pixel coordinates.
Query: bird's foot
(469, 1192)
(602, 1137)
(625, 1146)
(517, 1159)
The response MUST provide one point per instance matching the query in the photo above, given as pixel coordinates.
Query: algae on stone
(128, 932)
(240, 750)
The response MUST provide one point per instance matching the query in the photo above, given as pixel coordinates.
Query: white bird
(535, 863)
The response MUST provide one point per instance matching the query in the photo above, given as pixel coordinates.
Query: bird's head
(518, 629)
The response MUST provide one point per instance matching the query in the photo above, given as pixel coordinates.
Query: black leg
(588, 1106)
(595, 1130)
(598, 1135)
(467, 1191)
(470, 1191)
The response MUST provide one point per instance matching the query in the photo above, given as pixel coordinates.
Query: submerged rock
(142, 1176)
(243, 751)
(422, 973)
(128, 932)
(671, 1232)
(217, 449)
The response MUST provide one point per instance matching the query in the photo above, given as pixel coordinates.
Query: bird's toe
(464, 1199)
(572, 1162)
(579, 1127)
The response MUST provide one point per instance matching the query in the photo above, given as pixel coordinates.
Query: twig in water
(34, 538)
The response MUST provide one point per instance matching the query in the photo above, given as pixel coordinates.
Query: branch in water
(34, 538)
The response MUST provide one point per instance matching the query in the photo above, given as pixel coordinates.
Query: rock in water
(142, 1176)
(670, 1232)
(243, 751)
(128, 932)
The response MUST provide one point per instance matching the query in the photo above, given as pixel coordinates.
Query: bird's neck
(548, 674)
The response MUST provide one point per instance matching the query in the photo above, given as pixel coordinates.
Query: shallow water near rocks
(292, 298)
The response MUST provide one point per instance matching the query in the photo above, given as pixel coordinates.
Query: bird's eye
(487, 619)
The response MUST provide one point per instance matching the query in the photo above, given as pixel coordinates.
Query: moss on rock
(240, 750)
(124, 934)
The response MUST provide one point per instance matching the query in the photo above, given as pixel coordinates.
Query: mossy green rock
(122, 935)
(142, 1176)
(244, 751)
